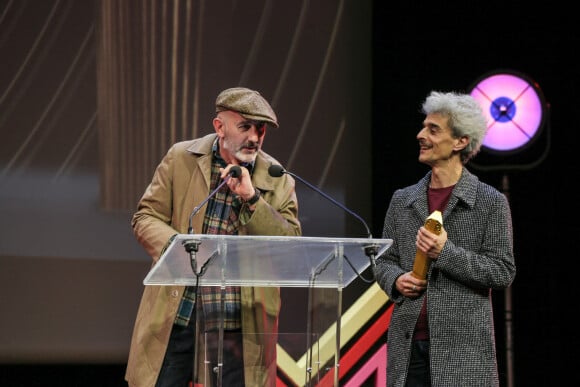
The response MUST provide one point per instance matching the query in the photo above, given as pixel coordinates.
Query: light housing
(516, 113)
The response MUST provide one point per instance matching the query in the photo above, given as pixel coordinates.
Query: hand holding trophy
(433, 223)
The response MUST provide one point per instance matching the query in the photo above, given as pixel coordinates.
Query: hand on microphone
(240, 181)
(227, 174)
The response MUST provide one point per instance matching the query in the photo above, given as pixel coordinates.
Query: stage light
(516, 112)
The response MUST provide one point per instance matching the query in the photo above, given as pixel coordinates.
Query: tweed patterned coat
(476, 259)
(181, 181)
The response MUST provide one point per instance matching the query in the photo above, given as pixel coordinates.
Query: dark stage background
(422, 46)
(386, 57)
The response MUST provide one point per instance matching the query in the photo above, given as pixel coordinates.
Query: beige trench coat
(180, 182)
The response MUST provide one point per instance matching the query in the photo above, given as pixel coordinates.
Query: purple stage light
(513, 106)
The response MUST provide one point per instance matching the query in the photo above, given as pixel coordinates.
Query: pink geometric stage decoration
(513, 106)
(376, 365)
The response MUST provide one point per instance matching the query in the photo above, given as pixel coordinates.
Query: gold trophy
(433, 223)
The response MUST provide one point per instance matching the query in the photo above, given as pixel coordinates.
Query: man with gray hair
(250, 203)
(442, 330)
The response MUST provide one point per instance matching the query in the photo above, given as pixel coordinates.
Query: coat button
(174, 293)
(407, 336)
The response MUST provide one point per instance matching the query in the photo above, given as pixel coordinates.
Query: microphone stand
(371, 250)
(192, 246)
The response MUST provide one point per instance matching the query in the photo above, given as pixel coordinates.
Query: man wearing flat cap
(250, 203)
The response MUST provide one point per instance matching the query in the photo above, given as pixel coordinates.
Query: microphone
(192, 246)
(276, 170)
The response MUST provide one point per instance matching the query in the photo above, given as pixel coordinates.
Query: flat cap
(248, 103)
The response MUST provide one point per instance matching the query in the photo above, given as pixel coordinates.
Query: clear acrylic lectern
(268, 261)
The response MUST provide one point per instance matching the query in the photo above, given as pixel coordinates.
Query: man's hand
(410, 286)
(241, 185)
